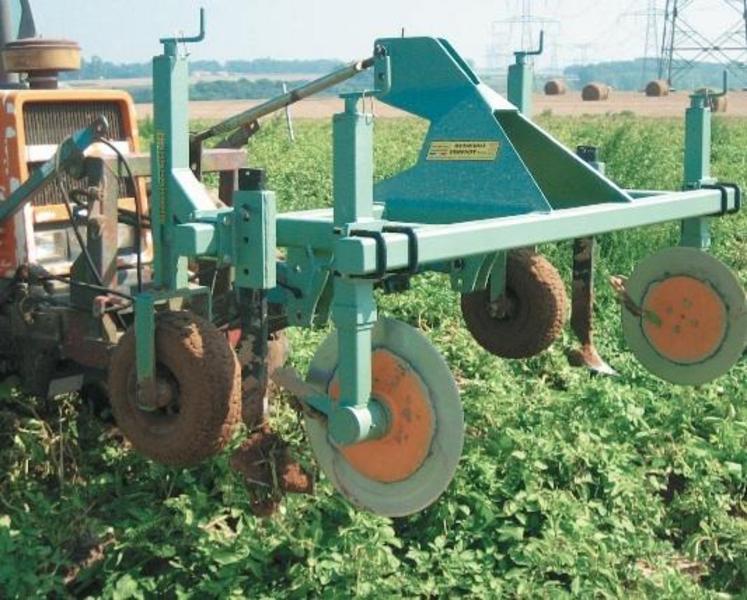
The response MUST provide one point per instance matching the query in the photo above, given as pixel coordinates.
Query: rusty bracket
(618, 283)
(582, 309)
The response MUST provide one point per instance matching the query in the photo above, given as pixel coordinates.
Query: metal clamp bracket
(412, 246)
(737, 197)
(381, 253)
(724, 189)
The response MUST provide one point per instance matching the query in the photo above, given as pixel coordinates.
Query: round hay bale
(555, 87)
(717, 104)
(657, 88)
(595, 92)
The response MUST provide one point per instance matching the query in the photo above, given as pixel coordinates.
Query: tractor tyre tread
(209, 385)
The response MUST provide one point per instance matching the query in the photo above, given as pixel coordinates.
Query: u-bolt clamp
(378, 237)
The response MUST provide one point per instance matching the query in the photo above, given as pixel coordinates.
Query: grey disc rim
(429, 482)
(683, 261)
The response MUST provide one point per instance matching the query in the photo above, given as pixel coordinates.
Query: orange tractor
(49, 340)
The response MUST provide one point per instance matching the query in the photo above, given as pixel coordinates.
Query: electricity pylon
(685, 43)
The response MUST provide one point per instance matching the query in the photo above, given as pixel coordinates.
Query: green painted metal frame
(184, 221)
(358, 257)
(474, 251)
(459, 215)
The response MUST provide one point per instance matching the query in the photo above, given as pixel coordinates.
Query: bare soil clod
(265, 463)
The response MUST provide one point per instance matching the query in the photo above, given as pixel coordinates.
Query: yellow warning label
(463, 150)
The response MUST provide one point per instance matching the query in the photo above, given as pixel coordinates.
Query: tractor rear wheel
(198, 398)
(530, 315)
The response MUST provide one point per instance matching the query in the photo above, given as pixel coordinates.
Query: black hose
(84, 247)
(89, 260)
(83, 284)
(138, 210)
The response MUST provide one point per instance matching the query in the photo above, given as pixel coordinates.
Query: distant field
(670, 106)
(137, 82)
(314, 108)
(570, 104)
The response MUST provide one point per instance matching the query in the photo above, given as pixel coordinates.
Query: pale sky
(581, 31)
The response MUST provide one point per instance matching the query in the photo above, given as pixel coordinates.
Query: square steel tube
(356, 256)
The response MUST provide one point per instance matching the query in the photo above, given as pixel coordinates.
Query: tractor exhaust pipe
(16, 23)
(24, 53)
(6, 35)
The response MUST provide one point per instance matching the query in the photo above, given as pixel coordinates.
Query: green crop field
(570, 485)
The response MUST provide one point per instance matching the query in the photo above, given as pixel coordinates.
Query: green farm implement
(222, 279)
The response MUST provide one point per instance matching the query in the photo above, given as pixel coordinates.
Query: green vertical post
(696, 232)
(697, 142)
(352, 168)
(145, 347)
(521, 79)
(170, 150)
(353, 308)
(521, 84)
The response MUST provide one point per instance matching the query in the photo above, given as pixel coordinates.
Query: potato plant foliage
(570, 485)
